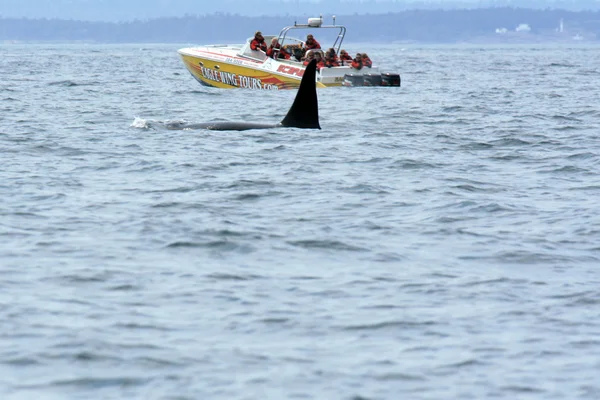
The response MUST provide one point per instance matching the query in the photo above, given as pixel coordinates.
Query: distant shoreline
(483, 26)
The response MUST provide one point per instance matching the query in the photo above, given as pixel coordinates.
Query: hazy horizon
(117, 10)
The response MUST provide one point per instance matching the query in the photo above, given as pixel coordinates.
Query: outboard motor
(390, 79)
(372, 79)
(353, 80)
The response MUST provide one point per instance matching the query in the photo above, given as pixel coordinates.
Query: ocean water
(440, 240)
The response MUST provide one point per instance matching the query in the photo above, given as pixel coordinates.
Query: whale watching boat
(238, 66)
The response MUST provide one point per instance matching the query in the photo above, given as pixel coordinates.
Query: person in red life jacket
(331, 59)
(357, 61)
(345, 58)
(366, 60)
(320, 61)
(275, 51)
(258, 43)
(309, 57)
(311, 43)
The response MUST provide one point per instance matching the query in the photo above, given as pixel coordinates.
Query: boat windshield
(246, 51)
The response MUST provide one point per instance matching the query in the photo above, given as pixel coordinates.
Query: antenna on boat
(333, 20)
(297, 8)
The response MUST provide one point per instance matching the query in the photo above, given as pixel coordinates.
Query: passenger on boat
(309, 57)
(357, 62)
(258, 43)
(366, 60)
(331, 59)
(345, 58)
(311, 43)
(299, 54)
(275, 51)
(320, 61)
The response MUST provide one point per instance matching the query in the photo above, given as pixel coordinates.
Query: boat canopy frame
(337, 44)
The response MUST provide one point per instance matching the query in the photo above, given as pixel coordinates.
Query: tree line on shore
(426, 26)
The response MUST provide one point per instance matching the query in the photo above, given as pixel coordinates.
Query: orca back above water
(304, 112)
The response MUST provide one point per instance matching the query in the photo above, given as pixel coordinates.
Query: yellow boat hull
(231, 74)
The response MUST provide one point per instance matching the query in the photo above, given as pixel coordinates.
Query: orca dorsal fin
(304, 112)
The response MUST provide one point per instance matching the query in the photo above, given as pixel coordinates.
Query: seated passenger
(275, 51)
(311, 43)
(331, 54)
(366, 60)
(357, 61)
(345, 58)
(320, 61)
(258, 43)
(299, 54)
(309, 57)
(331, 59)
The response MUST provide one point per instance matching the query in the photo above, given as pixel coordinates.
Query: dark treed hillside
(433, 26)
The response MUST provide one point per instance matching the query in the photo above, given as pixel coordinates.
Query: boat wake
(172, 125)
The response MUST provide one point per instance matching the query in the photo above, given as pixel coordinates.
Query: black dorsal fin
(304, 113)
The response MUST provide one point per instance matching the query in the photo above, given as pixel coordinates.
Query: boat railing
(229, 46)
(337, 44)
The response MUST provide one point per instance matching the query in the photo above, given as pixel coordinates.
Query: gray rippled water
(438, 240)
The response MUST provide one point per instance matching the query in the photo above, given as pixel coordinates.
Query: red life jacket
(313, 45)
(331, 62)
(258, 45)
(277, 52)
(357, 64)
(367, 62)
